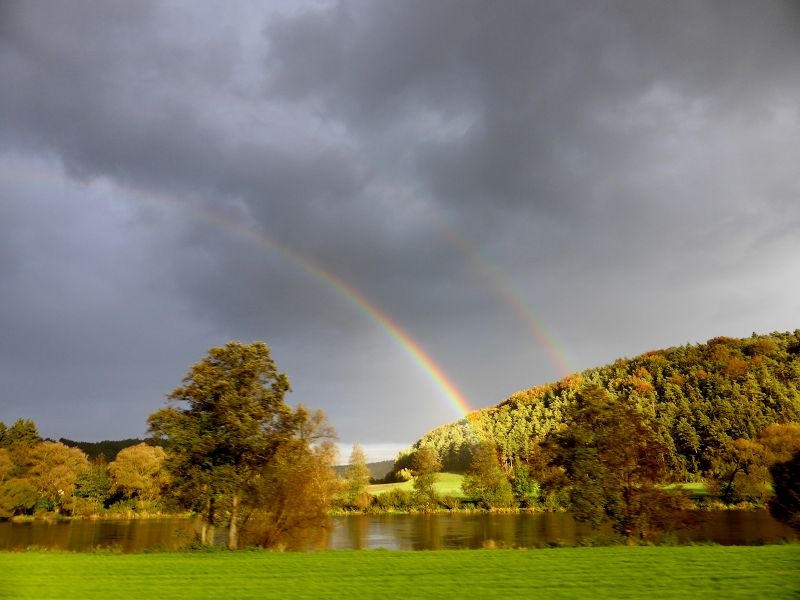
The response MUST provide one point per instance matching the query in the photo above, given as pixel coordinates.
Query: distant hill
(378, 470)
(699, 399)
(108, 448)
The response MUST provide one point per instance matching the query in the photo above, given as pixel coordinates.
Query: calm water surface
(391, 532)
(480, 530)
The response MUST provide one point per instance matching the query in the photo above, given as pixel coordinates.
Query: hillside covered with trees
(722, 412)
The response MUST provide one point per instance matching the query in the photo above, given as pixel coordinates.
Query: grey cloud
(626, 168)
(533, 77)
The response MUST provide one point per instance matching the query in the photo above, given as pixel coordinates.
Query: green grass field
(447, 484)
(610, 572)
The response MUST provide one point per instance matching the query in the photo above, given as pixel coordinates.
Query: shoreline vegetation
(450, 501)
(606, 445)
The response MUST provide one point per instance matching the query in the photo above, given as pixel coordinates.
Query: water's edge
(391, 532)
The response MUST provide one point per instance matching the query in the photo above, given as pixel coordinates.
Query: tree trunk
(629, 537)
(207, 531)
(233, 530)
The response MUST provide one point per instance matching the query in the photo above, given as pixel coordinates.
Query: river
(391, 532)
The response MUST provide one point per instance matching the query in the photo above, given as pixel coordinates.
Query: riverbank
(618, 572)
(451, 531)
(130, 515)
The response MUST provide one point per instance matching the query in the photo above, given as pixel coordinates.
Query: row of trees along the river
(227, 447)
(233, 451)
(45, 476)
(602, 444)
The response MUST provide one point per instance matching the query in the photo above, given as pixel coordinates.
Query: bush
(363, 501)
(485, 481)
(403, 475)
(395, 499)
(17, 497)
(450, 502)
(527, 491)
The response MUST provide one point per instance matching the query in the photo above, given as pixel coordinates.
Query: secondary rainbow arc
(356, 297)
(497, 282)
(512, 298)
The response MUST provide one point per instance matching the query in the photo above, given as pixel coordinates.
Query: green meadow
(447, 484)
(608, 572)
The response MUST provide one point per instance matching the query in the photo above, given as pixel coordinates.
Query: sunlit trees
(138, 472)
(17, 496)
(485, 481)
(357, 478)
(735, 471)
(93, 488)
(53, 471)
(287, 501)
(229, 424)
(6, 466)
(741, 468)
(23, 432)
(453, 442)
(698, 399)
(426, 466)
(614, 462)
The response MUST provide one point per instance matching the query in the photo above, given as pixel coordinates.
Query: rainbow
(501, 286)
(410, 346)
(498, 283)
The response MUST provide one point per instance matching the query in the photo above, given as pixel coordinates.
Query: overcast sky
(522, 188)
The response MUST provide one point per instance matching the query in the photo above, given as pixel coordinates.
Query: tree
(138, 472)
(737, 468)
(288, 500)
(614, 463)
(93, 487)
(485, 481)
(357, 476)
(22, 432)
(741, 468)
(53, 472)
(780, 441)
(426, 465)
(6, 465)
(231, 422)
(17, 496)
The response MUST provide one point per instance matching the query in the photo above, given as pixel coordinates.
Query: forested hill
(698, 398)
(377, 470)
(108, 448)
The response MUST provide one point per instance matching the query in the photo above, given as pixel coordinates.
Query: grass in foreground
(615, 572)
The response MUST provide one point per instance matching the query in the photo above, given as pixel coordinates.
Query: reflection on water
(391, 532)
(79, 536)
(480, 530)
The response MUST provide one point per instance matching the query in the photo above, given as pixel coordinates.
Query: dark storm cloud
(628, 167)
(526, 87)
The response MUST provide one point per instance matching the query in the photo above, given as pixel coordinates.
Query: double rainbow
(395, 331)
(411, 347)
